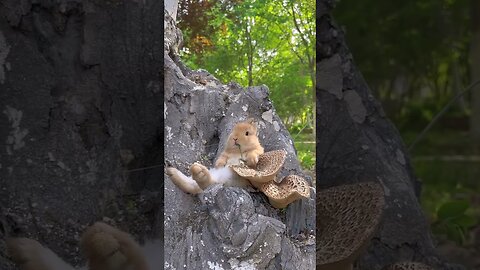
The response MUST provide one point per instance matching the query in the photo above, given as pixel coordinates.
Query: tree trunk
(357, 143)
(172, 6)
(458, 86)
(250, 52)
(81, 101)
(475, 72)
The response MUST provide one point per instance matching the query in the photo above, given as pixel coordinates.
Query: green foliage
(453, 220)
(452, 210)
(409, 36)
(441, 141)
(414, 55)
(256, 42)
(307, 159)
(409, 51)
(450, 187)
(305, 146)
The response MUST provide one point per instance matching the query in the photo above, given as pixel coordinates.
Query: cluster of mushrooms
(349, 214)
(280, 193)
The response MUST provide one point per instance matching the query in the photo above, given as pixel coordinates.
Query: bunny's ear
(251, 121)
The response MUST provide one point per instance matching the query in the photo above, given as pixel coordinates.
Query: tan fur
(105, 247)
(239, 146)
(29, 254)
(249, 145)
(108, 248)
(175, 176)
(201, 175)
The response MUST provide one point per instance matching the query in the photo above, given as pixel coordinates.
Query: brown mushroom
(263, 177)
(267, 168)
(290, 189)
(347, 217)
(408, 266)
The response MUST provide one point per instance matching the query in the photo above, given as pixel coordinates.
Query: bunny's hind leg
(28, 254)
(108, 248)
(201, 175)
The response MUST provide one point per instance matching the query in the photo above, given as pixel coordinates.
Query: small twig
(145, 168)
(240, 149)
(157, 165)
(306, 124)
(439, 114)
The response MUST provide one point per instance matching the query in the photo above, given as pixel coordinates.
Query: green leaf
(464, 221)
(455, 233)
(452, 209)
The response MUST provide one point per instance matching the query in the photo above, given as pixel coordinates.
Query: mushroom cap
(408, 266)
(290, 189)
(347, 217)
(267, 168)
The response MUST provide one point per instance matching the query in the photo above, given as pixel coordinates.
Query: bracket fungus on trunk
(268, 165)
(290, 189)
(348, 217)
(280, 194)
(408, 266)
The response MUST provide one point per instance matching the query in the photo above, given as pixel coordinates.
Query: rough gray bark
(357, 143)
(171, 6)
(226, 228)
(81, 103)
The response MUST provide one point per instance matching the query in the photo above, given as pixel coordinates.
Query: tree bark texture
(357, 143)
(82, 103)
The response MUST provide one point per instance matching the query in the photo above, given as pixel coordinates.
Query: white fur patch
(52, 261)
(222, 175)
(227, 177)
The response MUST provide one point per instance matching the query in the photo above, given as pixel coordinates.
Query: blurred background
(259, 42)
(416, 56)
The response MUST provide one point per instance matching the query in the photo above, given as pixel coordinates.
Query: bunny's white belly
(228, 177)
